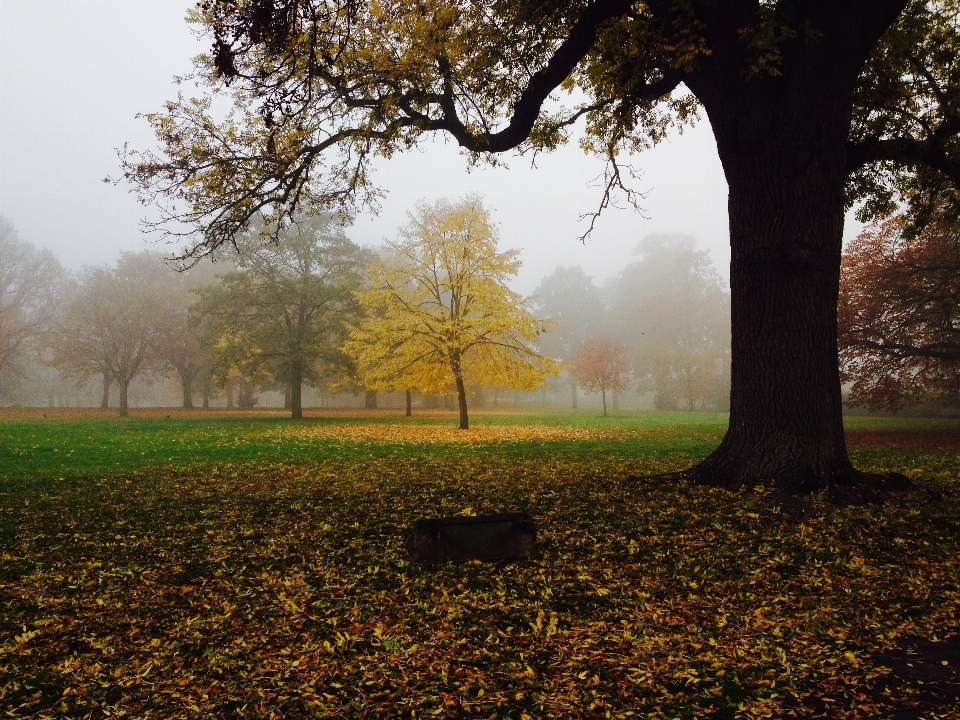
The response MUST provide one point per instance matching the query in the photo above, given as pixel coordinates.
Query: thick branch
(907, 151)
(541, 84)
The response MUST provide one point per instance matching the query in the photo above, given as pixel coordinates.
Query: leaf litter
(284, 590)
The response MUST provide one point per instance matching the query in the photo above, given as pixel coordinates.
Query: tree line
(261, 317)
(431, 313)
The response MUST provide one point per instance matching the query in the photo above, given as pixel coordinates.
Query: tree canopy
(321, 87)
(899, 312)
(671, 308)
(439, 315)
(32, 292)
(601, 364)
(569, 298)
(284, 310)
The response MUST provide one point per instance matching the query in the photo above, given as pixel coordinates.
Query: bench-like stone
(506, 536)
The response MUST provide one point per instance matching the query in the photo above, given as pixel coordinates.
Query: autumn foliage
(250, 567)
(439, 314)
(602, 365)
(898, 316)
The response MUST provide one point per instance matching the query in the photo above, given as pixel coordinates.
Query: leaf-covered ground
(277, 585)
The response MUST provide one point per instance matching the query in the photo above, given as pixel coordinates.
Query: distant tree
(601, 364)
(204, 332)
(672, 311)
(188, 342)
(899, 315)
(114, 325)
(439, 314)
(569, 298)
(33, 288)
(285, 308)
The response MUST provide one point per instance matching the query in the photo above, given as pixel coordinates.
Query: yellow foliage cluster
(439, 315)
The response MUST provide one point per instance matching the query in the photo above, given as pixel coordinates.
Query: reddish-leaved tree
(899, 321)
(602, 364)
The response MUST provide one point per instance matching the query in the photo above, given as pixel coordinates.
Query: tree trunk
(206, 397)
(296, 389)
(603, 394)
(461, 393)
(783, 149)
(186, 385)
(105, 399)
(573, 392)
(409, 403)
(370, 400)
(124, 387)
(246, 394)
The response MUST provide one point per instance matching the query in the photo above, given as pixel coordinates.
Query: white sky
(74, 74)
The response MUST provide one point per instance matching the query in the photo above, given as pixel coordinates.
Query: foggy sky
(73, 76)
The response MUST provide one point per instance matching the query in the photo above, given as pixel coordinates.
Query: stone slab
(504, 536)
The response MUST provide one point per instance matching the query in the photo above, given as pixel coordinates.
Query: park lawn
(255, 567)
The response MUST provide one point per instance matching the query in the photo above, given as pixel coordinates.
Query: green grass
(67, 447)
(255, 567)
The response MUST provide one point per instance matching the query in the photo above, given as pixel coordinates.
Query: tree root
(855, 488)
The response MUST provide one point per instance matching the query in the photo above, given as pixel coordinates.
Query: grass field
(205, 565)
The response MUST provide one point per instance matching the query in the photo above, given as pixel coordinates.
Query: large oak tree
(813, 103)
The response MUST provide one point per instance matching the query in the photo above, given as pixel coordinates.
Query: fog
(259, 328)
(73, 77)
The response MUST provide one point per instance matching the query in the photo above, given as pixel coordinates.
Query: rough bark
(783, 148)
(296, 389)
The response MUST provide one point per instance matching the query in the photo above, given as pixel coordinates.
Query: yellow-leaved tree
(438, 312)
